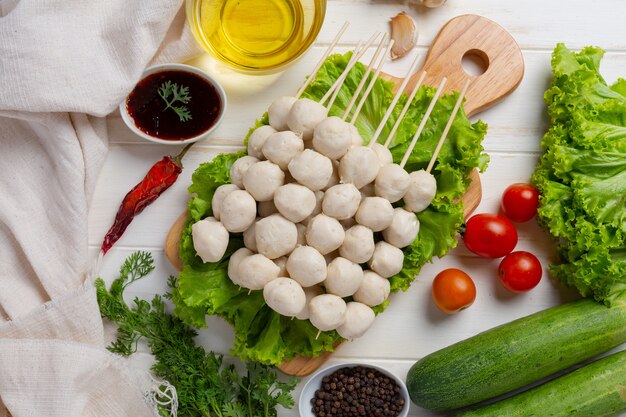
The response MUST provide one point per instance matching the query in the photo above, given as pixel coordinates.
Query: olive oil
(255, 35)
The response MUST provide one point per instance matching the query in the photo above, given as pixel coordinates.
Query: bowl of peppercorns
(354, 390)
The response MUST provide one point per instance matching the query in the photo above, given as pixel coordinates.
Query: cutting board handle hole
(475, 62)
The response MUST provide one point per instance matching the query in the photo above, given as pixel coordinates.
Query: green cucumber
(595, 390)
(515, 354)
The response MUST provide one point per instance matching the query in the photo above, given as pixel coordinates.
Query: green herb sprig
(178, 94)
(204, 384)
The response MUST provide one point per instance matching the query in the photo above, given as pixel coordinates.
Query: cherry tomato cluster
(493, 236)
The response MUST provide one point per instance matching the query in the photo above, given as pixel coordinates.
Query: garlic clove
(404, 34)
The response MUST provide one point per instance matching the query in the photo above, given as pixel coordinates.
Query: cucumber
(515, 354)
(595, 390)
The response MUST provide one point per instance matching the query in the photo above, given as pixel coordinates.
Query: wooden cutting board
(467, 35)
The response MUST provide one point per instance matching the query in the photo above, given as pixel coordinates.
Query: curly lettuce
(582, 175)
(260, 333)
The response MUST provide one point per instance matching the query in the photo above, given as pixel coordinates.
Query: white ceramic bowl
(314, 383)
(176, 67)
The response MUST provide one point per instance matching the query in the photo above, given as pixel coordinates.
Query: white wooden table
(411, 327)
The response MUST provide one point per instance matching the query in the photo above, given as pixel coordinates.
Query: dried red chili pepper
(158, 179)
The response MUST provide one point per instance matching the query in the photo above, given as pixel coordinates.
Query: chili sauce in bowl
(174, 104)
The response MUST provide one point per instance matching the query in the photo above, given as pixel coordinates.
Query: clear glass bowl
(256, 36)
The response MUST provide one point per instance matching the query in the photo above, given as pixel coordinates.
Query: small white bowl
(315, 381)
(176, 67)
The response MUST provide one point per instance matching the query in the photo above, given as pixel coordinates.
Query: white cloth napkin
(65, 65)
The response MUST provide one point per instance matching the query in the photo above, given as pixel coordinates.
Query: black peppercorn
(357, 391)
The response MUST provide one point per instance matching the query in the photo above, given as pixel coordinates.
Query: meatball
(421, 192)
(327, 312)
(359, 166)
(341, 201)
(403, 229)
(262, 180)
(295, 202)
(374, 289)
(282, 147)
(239, 168)
(278, 112)
(255, 271)
(375, 213)
(218, 196)
(307, 266)
(285, 296)
(387, 260)
(210, 239)
(238, 211)
(304, 115)
(311, 169)
(358, 245)
(332, 137)
(359, 318)
(257, 139)
(344, 277)
(275, 236)
(392, 182)
(233, 264)
(324, 233)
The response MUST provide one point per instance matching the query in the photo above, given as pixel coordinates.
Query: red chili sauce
(151, 114)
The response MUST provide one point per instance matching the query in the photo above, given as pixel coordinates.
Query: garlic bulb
(404, 34)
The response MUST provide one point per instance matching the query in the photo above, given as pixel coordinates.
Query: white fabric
(65, 65)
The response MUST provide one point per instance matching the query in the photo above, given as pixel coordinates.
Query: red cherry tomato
(490, 235)
(453, 290)
(520, 202)
(520, 271)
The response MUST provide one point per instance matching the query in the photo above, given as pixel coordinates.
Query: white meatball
(359, 318)
(307, 266)
(421, 191)
(387, 260)
(278, 112)
(233, 264)
(383, 154)
(275, 236)
(368, 190)
(301, 241)
(267, 208)
(375, 213)
(255, 271)
(403, 229)
(334, 177)
(304, 115)
(285, 296)
(392, 182)
(311, 169)
(319, 198)
(257, 139)
(238, 211)
(344, 277)
(309, 293)
(324, 233)
(332, 137)
(341, 201)
(357, 140)
(295, 202)
(210, 239)
(262, 180)
(374, 289)
(282, 147)
(327, 312)
(239, 168)
(218, 196)
(358, 245)
(282, 264)
(249, 236)
(359, 166)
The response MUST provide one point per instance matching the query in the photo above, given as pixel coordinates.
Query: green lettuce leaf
(260, 333)
(582, 175)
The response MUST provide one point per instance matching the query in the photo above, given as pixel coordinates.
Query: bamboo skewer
(371, 83)
(431, 106)
(391, 107)
(356, 55)
(364, 79)
(446, 130)
(405, 109)
(317, 67)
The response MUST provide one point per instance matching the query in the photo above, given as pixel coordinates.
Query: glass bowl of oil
(256, 36)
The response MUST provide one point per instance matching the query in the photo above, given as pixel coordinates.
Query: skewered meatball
(285, 296)
(309, 293)
(257, 139)
(374, 289)
(233, 264)
(311, 169)
(358, 245)
(332, 137)
(392, 182)
(307, 266)
(359, 166)
(387, 260)
(304, 115)
(403, 229)
(383, 154)
(375, 213)
(239, 168)
(255, 271)
(275, 236)
(359, 318)
(324, 233)
(278, 112)
(421, 191)
(238, 211)
(281, 147)
(218, 196)
(295, 202)
(341, 201)
(344, 277)
(327, 312)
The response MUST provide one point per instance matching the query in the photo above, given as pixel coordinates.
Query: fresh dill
(178, 94)
(205, 385)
